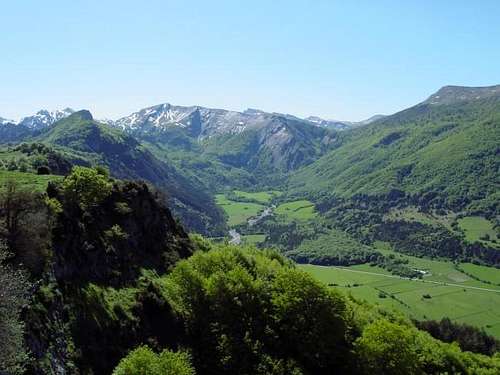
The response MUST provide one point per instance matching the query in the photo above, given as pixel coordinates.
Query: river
(236, 237)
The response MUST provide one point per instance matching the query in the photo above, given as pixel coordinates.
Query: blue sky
(337, 59)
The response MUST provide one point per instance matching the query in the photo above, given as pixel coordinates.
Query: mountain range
(203, 121)
(448, 143)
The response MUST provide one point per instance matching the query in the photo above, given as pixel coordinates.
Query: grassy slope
(28, 181)
(253, 239)
(444, 148)
(443, 282)
(476, 227)
(203, 168)
(489, 274)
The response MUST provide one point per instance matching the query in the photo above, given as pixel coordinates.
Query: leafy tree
(388, 348)
(143, 361)
(39, 160)
(87, 186)
(309, 319)
(395, 348)
(251, 312)
(469, 338)
(23, 165)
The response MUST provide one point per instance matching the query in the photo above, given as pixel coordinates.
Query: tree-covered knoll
(34, 158)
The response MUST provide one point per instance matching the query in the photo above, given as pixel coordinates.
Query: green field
(296, 210)
(28, 181)
(439, 270)
(240, 212)
(483, 273)
(475, 228)
(237, 212)
(260, 196)
(253, 239)
(460, 301)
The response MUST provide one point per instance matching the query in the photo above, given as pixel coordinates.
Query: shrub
(115, 233)
(143, 361)
(43, 170)
(86, 186)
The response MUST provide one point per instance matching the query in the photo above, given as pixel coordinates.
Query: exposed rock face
(282, 144)
(128, 231)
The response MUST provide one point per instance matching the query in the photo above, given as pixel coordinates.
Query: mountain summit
(200, 122)
(454, 94)
(44, 118)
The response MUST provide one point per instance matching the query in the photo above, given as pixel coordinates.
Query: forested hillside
(112, 283)
(446, 150)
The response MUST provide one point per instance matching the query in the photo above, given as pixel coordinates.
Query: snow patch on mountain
(202, 122)
(4, 121)
(44, 118)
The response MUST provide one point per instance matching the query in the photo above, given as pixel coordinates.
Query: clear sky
(345, 60)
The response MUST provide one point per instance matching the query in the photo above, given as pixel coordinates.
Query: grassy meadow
(237, 212)
(420, 299)
(28, 181)
(477, 229)
(253, 239)
(296, 210)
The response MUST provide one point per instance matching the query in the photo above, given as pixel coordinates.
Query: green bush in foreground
(251, 312)
(389, 348)
(143, 361)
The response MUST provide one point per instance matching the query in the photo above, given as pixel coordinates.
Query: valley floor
(464, 292)
(468, 301)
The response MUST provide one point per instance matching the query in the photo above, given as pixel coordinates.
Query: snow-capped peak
(44, 118)
(158, 116)
(4, 121)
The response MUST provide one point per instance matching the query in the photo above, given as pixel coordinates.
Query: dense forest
(98, 277)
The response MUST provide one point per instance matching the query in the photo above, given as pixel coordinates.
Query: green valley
(393, 226)
(250, 188)
(456, 299)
